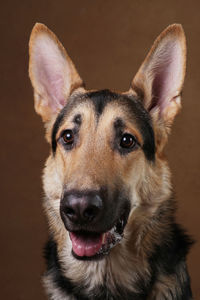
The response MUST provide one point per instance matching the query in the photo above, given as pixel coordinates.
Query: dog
(108, 194)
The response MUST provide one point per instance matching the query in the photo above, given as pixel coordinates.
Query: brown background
(107, 40)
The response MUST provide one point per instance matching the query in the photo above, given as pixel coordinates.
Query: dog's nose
(82, 209)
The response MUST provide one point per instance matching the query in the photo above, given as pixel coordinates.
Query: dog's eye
(127, 141)
(68, 137)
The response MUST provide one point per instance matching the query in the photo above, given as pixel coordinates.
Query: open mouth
(90, 245)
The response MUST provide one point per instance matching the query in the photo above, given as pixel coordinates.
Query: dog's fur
(149, 262)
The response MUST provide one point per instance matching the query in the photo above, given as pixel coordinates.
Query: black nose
(81, 208)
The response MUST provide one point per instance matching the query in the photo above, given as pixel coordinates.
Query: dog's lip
(88, 244)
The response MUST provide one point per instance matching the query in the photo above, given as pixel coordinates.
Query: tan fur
(53, 290)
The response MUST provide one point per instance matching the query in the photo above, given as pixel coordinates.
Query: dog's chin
(90, 245)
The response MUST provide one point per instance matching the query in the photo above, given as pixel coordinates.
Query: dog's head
(106, 162)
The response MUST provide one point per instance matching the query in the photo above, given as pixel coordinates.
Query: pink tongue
(86, 245)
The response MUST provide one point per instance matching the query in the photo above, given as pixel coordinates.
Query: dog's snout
(81, 209)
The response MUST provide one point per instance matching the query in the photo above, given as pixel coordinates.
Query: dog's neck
(119, 268)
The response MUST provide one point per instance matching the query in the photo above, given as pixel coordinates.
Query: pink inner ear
(167, 73)
(51, 72)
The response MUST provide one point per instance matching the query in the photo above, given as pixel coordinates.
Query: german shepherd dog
(108, 194)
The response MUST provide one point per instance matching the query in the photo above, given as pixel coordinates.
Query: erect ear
(52, 73)
(159, 80)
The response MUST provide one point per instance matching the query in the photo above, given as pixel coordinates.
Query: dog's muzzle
(92, 232)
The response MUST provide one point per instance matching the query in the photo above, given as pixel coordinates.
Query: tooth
(103, 238)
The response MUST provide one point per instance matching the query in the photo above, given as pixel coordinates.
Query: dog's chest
(107, 279)
(59, 289)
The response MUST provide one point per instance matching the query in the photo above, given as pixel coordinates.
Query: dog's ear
(52, 73)
(159, 80)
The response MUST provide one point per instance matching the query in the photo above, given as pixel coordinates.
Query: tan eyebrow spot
(86, 111)
(112, 112)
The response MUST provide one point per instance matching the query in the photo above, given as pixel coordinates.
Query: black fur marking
(77, 119)
(101, 98)
(186, 290)
(53, 267)
(172, 251)
(169, 256)
(56, 126)
(119, 124)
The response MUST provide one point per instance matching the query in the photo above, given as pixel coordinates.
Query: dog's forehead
(103, 103)
(99, 101)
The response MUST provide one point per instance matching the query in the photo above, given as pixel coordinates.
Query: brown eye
(127, 141)
(68, 137)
